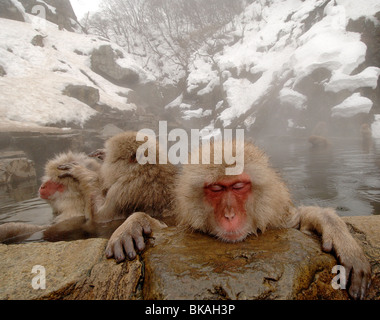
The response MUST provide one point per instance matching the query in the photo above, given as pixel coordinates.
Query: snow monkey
(129, 186)
(64, 193)
(231, 208)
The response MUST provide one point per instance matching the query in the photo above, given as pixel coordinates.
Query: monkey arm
(12, 230)
(336, 236)
(130, 234)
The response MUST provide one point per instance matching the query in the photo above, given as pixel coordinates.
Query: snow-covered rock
(352, 106)
(33, 86)
(288, 53)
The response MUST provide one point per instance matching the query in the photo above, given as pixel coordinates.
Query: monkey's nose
(229, 214)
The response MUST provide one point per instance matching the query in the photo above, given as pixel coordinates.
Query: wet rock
(73, 270)
(9, 11)
(15, 167)
(85, 94)
(282, 264)
(103, 62)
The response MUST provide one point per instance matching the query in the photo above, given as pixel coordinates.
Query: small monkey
(319, 142)
(232, 208)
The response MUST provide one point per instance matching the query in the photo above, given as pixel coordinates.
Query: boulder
(15, 167)
(281, 264)
(38, 41)
(85, 94)
(277, 265)
(9, 11)
(103, 62)
(72, 270)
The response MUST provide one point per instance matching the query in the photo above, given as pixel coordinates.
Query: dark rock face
(9, 11)
(103, 62)
(63, 15)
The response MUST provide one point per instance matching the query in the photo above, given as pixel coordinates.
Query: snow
(272, 48)
(352, 106)
(275, 46)
(376, 127)
(293, 98)
(366, 78)
(175, 103)
(31, 91)
(356, 9)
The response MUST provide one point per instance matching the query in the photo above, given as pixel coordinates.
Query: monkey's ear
(133, 158)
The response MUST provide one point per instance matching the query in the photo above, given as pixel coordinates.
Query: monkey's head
(231, 207)
(122, 148)
(53, 186)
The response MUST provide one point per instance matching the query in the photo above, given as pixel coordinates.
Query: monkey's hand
(129, 237)
(337, 238)
(69, 169)
(100, 154)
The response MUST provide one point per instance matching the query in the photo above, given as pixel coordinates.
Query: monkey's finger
(327, 245)
(118, 252)
(359, 285)
(109, 251)
(64, 167)
(146, 228)
(140, 242)
(65, 175)
(129, 247)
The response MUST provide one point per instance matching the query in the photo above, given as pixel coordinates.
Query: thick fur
(129, 186)
(268, 206)
(73, 201)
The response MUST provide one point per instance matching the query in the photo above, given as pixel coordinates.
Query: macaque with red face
(70, 198)
(232, 208)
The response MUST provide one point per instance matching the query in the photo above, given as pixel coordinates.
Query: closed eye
(216, 188)
(239, 185)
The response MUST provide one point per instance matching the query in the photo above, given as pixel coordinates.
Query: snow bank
(293, 98)
(36, 76)
(273, 45)
(366, 78)
(352, 106)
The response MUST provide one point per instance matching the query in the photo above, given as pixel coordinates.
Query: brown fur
(131, 187)
(269, 206)
(72, 203)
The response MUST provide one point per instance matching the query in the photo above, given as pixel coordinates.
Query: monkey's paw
(100, 154)
(358, 269)
(129, 237)
(69, 170)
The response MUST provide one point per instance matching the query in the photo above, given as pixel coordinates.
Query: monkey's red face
(49, 188)
(228, 197)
